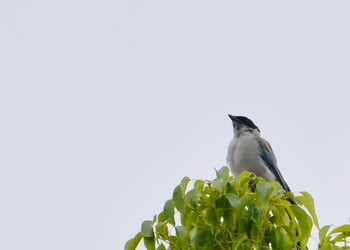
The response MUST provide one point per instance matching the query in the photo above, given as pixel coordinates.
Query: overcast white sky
(106, 105)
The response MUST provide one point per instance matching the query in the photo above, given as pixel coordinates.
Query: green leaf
(239, 202)
(169, 211)
(199, 186)
(244, 201)
(162, 230)
(276, 238)
(303, 219)
(208, 201)
(322, 234)
(277, 188)
(282, 239)
(184, 183)
(133, 243)
(179, 200)
(342, 233)
(180, 232)
(243, 225)
(129, 245)
(341, 229)
(161, 217)
(281, 215)
(263, 192)
(233, 199)
(190, 198)
(150, 243)
(307, 200)
(237, 243)
(286, 242)
(291, 196)
(198, 237)
(244, 178)
(330, 246)
(223, 173)
(211, 216)
(291, 234)
(257, 217)
(218, 184)
(173, 242)
(231, 188)
(192, 218)
(254, 233)
(340, 238)
(147, 228)
(304, 222)
(222, 203)
(161, 247)
(229, 217)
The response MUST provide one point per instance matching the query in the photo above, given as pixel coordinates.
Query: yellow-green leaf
(307, 200)
(133, 243)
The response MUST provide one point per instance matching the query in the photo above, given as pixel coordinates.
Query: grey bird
(248, 151)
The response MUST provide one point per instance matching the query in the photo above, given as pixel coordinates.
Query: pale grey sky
(106, 105)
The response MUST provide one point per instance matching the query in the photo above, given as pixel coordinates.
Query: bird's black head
(243, 120)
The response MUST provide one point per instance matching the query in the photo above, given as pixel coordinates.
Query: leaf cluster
(242, 213)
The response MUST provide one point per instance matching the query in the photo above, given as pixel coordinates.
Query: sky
(106, 105)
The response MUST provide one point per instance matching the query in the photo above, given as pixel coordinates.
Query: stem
(221, 229)
(264, 228)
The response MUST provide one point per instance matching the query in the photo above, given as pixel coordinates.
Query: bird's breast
(243, 154)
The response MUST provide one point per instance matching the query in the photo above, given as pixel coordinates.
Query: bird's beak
(233, 118)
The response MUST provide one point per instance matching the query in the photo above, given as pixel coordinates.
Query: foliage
(242, 213)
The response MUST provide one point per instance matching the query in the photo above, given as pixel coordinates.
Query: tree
(242, 213)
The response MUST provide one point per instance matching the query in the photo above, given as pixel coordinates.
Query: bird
(248, 151)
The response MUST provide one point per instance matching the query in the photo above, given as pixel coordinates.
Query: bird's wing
(269, 158)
